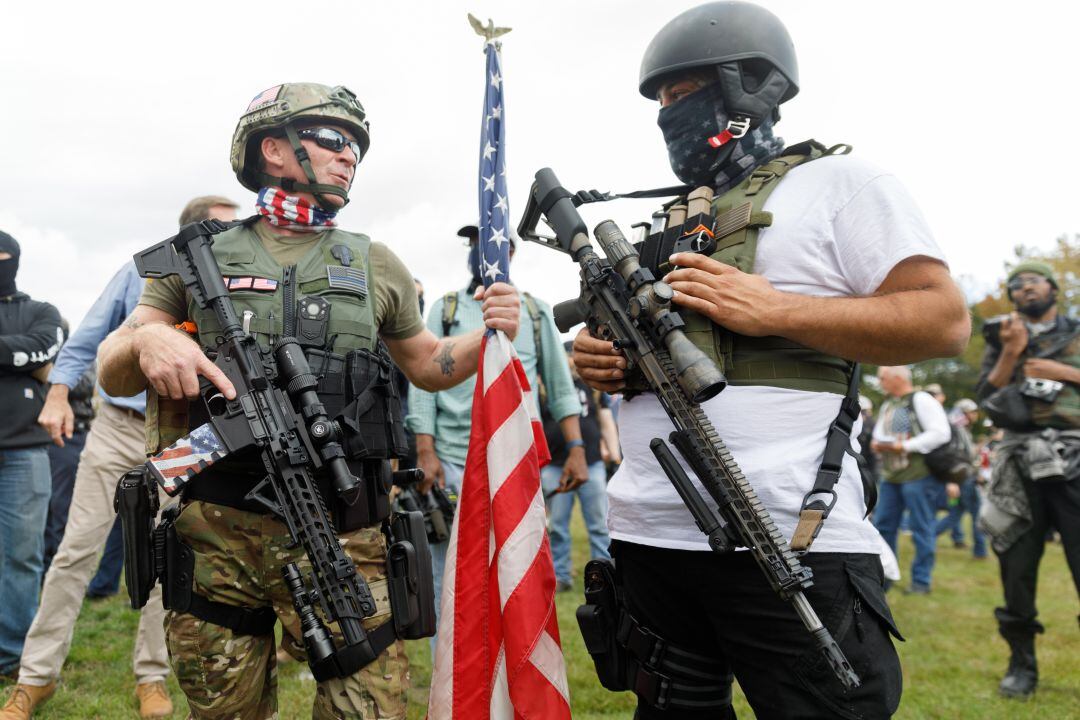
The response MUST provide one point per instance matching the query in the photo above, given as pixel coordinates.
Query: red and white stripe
(498, 654)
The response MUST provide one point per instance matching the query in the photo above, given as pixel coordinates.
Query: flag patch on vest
(251, 283)
(347, 278)
(189, 455)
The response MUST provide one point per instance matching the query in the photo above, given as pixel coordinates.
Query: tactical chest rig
(308, 439)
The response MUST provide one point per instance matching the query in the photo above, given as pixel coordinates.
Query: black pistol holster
(136, 502)
(628, 656)
(157, 554)
(409, 576)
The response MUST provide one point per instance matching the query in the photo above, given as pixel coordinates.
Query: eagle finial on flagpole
(488, 32)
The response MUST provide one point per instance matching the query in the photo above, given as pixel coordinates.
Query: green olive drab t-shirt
(397, 310)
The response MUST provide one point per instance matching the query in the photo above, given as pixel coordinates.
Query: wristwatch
(571, 444)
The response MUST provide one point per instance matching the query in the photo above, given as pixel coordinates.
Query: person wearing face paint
(30, 337)
(1030, 385)
(291, 272)
(815, 259)
(442, 420)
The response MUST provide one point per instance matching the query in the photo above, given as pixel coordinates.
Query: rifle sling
(837, 444)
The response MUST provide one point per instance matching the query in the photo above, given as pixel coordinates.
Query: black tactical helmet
(749, 46)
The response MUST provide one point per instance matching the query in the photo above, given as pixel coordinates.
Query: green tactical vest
(773, 361)
(916, 467)
(241, 254)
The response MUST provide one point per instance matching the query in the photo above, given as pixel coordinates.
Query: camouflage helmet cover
(281, 105)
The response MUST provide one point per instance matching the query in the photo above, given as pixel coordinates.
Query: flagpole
(498, 655)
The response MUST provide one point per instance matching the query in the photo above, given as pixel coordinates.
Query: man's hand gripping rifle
(622, 302)
(277, 414)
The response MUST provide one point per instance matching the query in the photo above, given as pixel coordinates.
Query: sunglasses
(1019, 283)
(330, 139)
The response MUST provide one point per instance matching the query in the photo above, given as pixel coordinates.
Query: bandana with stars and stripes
(292, 212)
(689, 124)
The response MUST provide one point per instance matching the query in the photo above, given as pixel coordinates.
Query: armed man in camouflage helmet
(297, 146)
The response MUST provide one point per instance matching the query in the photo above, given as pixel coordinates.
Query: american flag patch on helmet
(188, 456)
(264, 98)
(347, 278)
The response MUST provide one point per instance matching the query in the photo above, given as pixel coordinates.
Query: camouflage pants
(238, 560)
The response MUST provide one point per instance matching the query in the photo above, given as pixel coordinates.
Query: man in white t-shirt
(845, 269)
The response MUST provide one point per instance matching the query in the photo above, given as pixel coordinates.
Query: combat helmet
(279, 110)
(749, 47)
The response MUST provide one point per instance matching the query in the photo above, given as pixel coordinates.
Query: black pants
(1053, 506)
(722, 606)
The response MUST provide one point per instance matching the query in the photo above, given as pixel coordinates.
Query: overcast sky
(116, 113)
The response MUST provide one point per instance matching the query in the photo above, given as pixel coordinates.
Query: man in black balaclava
(30, 336)
(9, 264)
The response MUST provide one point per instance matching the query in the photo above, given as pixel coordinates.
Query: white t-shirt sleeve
(878, 227)
(934, 423)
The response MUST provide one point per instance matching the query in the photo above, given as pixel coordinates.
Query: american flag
(189, 455)
(498, 655)
(264, 98)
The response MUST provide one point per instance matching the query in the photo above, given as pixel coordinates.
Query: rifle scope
(699, 377)
(300, 384)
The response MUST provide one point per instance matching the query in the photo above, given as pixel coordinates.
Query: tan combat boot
(154, 700)
(24, 698)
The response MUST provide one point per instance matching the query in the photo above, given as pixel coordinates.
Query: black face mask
(10, 267)
(687, 126)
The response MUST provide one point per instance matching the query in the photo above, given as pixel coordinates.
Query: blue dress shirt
(108, 312)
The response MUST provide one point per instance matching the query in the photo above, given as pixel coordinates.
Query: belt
(131, 413)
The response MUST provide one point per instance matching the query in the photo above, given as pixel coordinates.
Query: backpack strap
(535, 317)
(837, 444)
(449, 312)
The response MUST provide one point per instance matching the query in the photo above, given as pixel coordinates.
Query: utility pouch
(329, 368)
(409, 575)
(372, 419)
(179, 568)
(598, 619)
(136, 502)
(369, 504)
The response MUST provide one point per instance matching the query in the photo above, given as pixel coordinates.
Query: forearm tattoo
(133, 323)
(446, 360)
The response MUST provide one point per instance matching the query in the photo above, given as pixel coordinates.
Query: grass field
(953, 657)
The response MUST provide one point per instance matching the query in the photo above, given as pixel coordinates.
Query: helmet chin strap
(747, 109)
(318, 190)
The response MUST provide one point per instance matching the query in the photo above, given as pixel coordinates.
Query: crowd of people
(86, 406)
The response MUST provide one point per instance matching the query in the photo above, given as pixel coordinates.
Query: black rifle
(437, 505)
(278, 416)
(622, 302)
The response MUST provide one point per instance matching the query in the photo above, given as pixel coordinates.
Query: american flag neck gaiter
(292, 212)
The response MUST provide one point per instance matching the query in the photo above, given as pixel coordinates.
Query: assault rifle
(437, 505)
(277, 416)
(622, 302)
